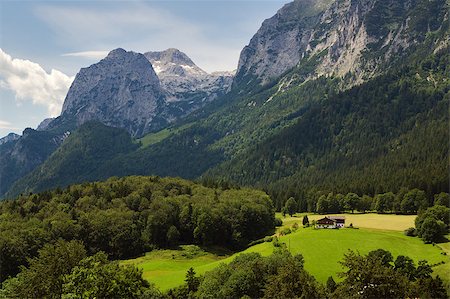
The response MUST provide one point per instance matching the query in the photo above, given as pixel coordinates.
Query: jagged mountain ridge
(124, 90)
(121, 90)
(337, 38)
(187, 86)
(8, 138)
(247, 120)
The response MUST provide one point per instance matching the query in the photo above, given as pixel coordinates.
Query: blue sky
(44, 43)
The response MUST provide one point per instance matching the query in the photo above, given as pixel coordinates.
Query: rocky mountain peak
(337, 38)
(9, 137)
(184, 82)
(170, 55)
(279, 43)
(173, 62)
(122, 90)
(114, 54)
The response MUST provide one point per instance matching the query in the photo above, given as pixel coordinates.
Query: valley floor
(321, 248)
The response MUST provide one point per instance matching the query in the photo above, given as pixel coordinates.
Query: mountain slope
(388, 133)
(21, 155)
(78, 158)
(309, 129)
(121, 91)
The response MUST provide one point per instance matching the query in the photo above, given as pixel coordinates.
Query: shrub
(278, 222)
(285, 231)
(410, 232)
(268, 239)
(259, 241)
(295, 226)
(276, 242)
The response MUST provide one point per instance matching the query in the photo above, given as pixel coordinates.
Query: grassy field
(372, 221)
(153, 138)
(156, 137)
(167, 268)
(322, 249)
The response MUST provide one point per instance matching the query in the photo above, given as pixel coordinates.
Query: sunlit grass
(321, 248)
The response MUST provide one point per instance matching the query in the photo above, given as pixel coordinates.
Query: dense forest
(384, 135)
(128, 216)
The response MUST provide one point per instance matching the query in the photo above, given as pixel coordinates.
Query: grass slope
(322, 249)
(372, 221)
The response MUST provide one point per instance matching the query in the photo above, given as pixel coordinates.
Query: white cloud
(29, 81)
(88, 54)
(139, 27)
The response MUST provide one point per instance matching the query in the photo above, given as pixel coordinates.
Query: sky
(43, 44)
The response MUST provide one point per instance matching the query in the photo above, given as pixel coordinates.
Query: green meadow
(155, 137)
(321, 248)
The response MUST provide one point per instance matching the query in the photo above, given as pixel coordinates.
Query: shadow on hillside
(217, 250)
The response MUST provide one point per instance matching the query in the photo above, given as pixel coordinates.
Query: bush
(286, 231)
(295, 226)
(278, 222)
(268, 239)
(410, 232)
(432, 230)
(276, 242)
(256, 242)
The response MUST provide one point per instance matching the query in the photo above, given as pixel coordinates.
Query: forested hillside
(375, 129)
(128, 216)
(388, 133)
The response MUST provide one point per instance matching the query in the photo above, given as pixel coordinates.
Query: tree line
(408, 202)
(125, 217)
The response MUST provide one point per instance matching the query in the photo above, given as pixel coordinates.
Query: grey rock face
(187, 86)
(44, 124)
(9, 137)
(281, 41)
(333, 37)
(122, 90)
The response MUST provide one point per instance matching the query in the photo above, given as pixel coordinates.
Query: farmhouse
(331, 222)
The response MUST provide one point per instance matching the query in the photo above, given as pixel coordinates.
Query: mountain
(9, 137)
(23, 154)
(84, 151)
(337, 38)
(121, 90)
(187, 86)
(45, 124)
(355, 112)
(385, 134)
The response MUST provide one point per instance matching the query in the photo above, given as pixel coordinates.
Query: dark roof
(325, 220)
(338, 219)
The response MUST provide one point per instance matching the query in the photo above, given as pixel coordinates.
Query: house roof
(325, 220)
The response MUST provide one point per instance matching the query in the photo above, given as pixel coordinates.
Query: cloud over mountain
(30, 82)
